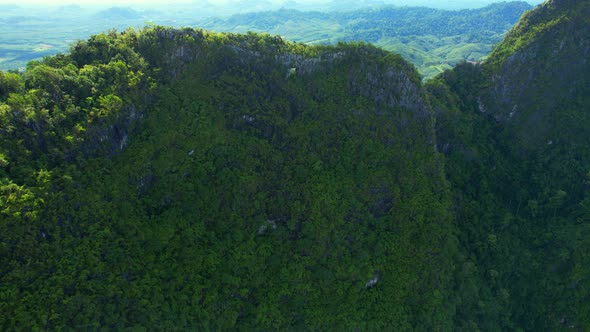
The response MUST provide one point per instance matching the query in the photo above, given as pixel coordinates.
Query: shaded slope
(516, 131)
(540, 72)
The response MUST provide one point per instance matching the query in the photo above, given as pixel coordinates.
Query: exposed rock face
(391, 83)
(391, 88)
(176, 48)
(387, 86)
(517, 134)
(525, 88)
(305, 65)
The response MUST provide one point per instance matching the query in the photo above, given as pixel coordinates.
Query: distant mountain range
(118, 13)
(432, 39)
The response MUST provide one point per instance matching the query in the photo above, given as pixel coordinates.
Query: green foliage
(515, 135)
(540, 23)
(9, 83)
(185, 179)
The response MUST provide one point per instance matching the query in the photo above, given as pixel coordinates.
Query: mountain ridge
(221, 141)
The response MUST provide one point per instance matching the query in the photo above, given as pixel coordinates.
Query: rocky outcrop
(525, 87)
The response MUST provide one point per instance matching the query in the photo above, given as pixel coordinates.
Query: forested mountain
(432, 39)
(183, 179)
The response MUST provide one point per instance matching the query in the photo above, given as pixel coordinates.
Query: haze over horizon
(429, 3)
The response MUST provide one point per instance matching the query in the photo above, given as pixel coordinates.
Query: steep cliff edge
(516, 132)
(540, 74)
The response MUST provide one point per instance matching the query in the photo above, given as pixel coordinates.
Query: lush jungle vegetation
(182, 179)
(515, 133)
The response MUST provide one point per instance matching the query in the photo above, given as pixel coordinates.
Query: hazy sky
(149, 2)
(129, 2)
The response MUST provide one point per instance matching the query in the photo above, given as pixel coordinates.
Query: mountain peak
(292, 152)
(529, 71)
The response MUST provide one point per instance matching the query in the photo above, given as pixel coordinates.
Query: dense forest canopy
(184, 179)
(170, 178)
